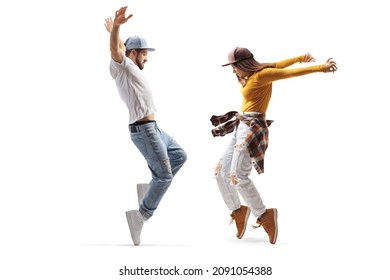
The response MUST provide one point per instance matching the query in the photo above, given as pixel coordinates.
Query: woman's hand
(330, 65)
(308, 58)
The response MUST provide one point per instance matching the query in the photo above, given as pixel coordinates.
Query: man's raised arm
(116, 44)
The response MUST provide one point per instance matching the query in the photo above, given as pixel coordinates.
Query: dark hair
(128, 51)
(252, 66)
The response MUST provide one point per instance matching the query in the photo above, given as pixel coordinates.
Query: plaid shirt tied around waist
(256, 140)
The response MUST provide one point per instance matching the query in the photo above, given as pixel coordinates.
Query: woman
(250, 139)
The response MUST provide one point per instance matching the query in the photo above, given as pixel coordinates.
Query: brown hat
(238, 54)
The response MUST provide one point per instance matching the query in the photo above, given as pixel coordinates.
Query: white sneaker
(141, 191)
(136, 222)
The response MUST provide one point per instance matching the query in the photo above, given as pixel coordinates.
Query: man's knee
(183, 156)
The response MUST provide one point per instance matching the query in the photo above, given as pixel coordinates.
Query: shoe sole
(245, 223)
(131, 227)
(276, 225)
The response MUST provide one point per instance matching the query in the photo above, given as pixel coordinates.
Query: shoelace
(256, 226)
(233, 218)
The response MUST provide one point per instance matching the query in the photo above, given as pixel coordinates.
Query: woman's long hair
(251, 66)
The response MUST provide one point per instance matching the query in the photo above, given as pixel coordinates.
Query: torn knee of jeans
(233, 179)
(167, 165)
(240, 147)
(217, 168)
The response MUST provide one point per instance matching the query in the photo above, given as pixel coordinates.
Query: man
(162, 153)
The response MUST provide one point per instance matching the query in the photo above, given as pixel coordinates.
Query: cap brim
(237, 60)
(148, 49)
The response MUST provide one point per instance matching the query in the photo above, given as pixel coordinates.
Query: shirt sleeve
(270, 75)
(116, 67)
(290, 61)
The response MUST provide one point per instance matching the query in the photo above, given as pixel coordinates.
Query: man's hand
(108, 24)
(120, 16)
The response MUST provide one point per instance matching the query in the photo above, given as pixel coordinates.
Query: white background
(69, 169)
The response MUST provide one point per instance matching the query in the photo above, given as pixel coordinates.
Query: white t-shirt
(133, 89)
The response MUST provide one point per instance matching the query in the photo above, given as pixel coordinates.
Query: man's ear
(134, 52)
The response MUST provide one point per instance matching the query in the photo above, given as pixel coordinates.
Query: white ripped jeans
(236, 161)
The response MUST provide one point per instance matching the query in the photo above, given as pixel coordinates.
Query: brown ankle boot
(240, 216)
(269, 221)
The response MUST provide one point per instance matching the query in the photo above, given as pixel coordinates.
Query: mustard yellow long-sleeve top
(257, 91)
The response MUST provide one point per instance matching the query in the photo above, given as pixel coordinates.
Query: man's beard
(139, 64)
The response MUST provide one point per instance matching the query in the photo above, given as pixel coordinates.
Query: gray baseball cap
(136, 42)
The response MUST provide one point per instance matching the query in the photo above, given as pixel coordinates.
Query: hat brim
(227, 64)
(148, 49)
(237, 60)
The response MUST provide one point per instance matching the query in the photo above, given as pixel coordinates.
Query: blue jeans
(164, 157)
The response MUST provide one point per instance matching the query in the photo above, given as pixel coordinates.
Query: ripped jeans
(236, 161)
(164, 157)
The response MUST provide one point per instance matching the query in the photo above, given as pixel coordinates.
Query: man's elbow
(116, 55)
